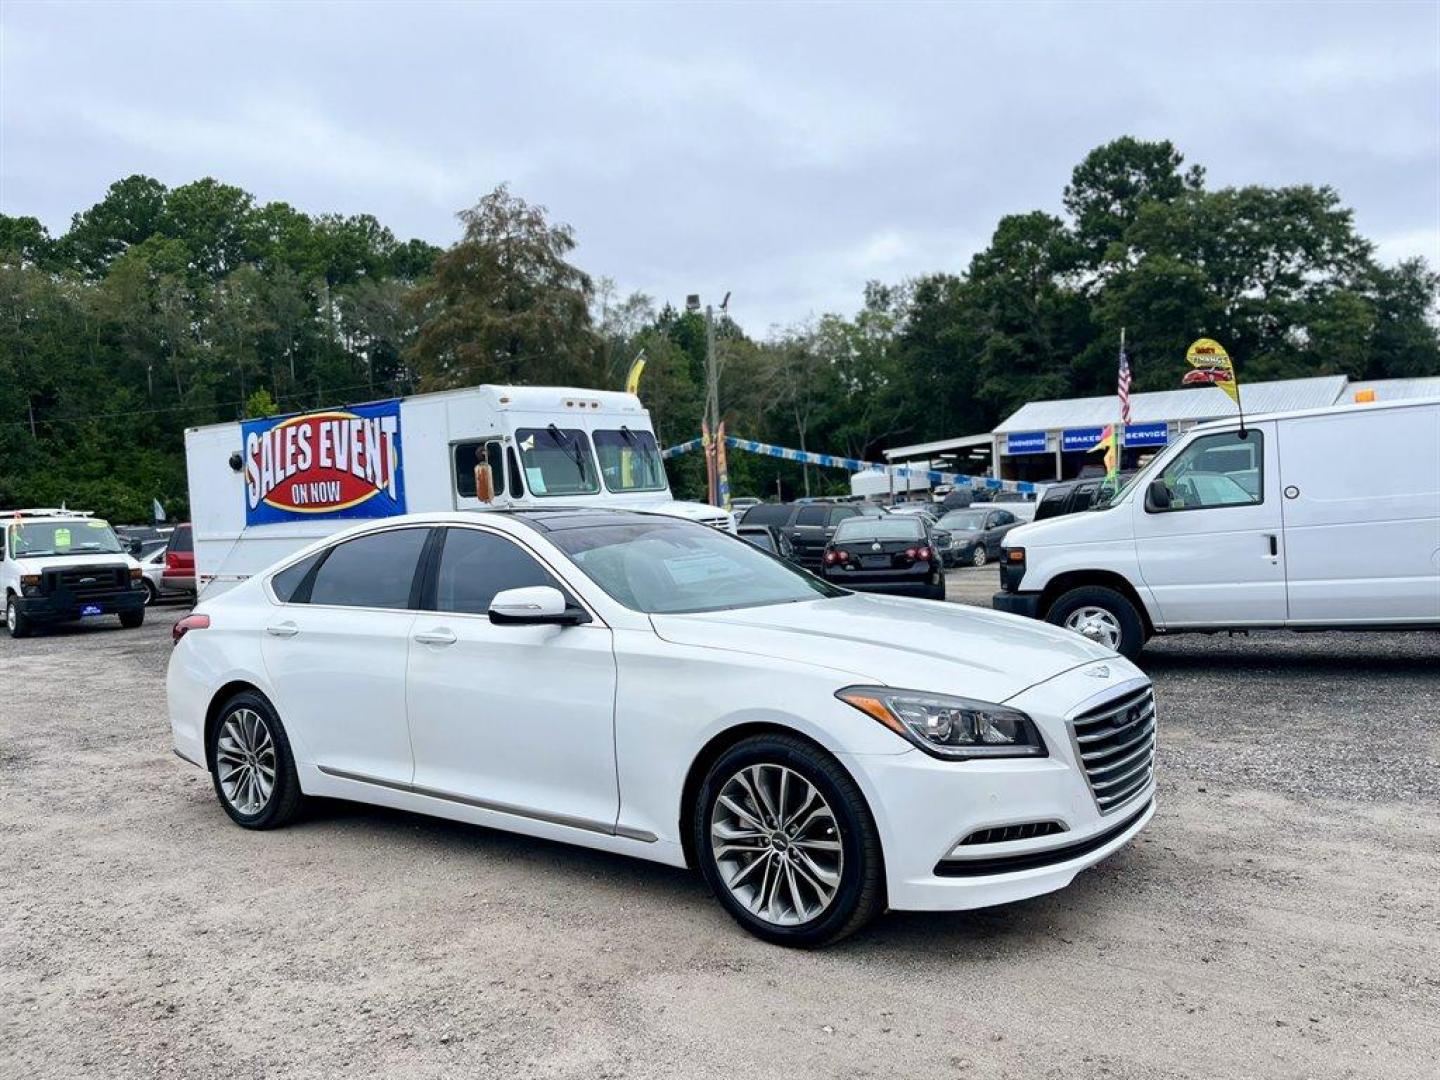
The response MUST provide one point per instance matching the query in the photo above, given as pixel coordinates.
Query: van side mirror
(1157, 495)
(535, 605)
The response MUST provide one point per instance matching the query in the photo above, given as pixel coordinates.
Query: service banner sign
(1081, 439)
(1147, 434)
(346, 463)
(1025, 442)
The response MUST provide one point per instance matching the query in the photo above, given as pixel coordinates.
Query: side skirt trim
(604, 828)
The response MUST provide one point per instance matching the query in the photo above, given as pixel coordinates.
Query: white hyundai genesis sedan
(651, 686)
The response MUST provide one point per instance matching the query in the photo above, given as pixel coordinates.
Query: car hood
(56, 562)
(895, 641)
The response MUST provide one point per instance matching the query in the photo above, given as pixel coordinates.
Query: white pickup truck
(60, 565)
(1318, 520)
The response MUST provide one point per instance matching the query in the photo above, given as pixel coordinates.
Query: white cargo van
(260, 489)
(63, 565)
(1323, 519)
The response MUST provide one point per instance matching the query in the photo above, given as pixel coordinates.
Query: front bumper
(62, 606)
(1018, 603)
(925, 807)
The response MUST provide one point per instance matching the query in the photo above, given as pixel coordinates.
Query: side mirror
(534, 605)
(1157, 495)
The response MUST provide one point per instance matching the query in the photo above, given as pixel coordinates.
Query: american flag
(1124, 386)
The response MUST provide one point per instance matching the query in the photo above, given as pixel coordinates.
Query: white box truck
(1325, 519)
(260, 489)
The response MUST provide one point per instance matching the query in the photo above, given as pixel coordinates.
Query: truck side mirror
(1157, 495)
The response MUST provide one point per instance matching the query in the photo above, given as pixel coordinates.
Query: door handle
(436, 637)
(284, 629)
(1274, 546)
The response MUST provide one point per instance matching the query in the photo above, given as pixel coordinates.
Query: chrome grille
(1115, 743)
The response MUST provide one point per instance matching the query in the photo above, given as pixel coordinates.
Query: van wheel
(131, 619)
(1103, 615)
(15, 619)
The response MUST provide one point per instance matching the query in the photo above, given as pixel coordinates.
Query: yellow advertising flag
(1212, 367)
(632, 380)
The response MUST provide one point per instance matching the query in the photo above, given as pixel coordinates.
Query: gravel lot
(1279, 918)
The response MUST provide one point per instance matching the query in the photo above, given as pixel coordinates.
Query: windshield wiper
(629, 435)
(575, 452)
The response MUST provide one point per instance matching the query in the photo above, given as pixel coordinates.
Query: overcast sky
(787, 153)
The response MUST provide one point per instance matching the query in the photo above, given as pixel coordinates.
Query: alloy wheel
(12, 616)
(777, 844)
(245, 761)
(978, 556)
(1096, 623)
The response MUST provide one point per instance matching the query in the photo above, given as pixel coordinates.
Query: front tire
(151, 596)
(132, 619)
(251, 764)
(786, 843)
(979, 557)
(1103, 615)
(16, 621)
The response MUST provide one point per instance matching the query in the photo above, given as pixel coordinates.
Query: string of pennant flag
(854, 465)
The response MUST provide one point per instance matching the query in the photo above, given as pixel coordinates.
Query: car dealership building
(1044, 441)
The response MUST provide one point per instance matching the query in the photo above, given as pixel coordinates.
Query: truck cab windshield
(86, 536)
(630, 460)
(557, 461)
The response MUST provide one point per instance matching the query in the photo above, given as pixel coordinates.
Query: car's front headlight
(949, 727)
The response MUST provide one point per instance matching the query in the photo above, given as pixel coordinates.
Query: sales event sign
(346, 463)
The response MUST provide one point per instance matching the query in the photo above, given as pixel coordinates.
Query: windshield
(881, 528)
(664, 568)
(630, 460)
(969, 521)
(88, 536)
(557, 461)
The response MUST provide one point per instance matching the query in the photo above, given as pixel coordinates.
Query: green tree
(504, 303)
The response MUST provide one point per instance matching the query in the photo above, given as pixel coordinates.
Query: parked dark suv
(808, 526)
(1072, 496)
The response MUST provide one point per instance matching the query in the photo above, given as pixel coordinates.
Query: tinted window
(1004, 517)
(811, 515)
(180, 539)
(288, 580)
(840, 513)
(767, 514)
(474, 566)
(372, 571)
(1053, 504)
(1083, 497)
(761, 538)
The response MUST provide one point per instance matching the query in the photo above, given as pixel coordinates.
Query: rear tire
(806, 833)
(16, 621)
(131, 619)
(1104, 615)
(251, 764)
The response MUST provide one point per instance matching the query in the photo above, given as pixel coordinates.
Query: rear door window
(180, 540)
(811, 515)
(375, 571)
(767, 514)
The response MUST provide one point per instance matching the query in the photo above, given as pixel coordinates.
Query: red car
(179, 575)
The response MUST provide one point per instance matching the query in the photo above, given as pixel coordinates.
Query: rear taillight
(185, 625)
(912, 553)
(171, 561)
(923, 553)
(831, 557)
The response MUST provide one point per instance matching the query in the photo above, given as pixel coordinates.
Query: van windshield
(557, 461)
(630, 460)
(86, 536)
